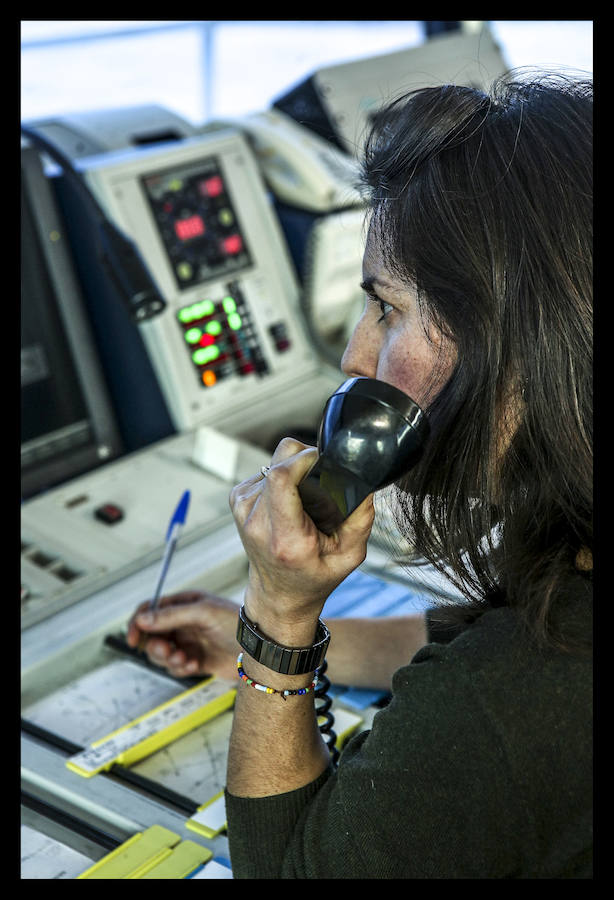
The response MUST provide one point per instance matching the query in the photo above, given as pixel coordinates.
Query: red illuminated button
(212, 187)
(233, 244)
(206, 340)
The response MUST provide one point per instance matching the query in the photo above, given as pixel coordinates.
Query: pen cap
(179, 516)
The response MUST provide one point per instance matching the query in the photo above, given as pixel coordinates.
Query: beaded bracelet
(270, 690)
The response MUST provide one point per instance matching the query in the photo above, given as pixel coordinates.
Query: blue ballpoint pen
(172, 536)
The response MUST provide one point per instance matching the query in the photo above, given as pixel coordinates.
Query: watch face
(249, 641)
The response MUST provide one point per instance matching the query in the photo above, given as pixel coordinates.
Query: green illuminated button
(193, 335)
(204, 308)
(229, 305)
(184, 271)
(225, 216)
(204, 355)
(234, 320)
(185, 315)
(213, 327)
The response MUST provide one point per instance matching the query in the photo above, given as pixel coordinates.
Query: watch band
(287, 660)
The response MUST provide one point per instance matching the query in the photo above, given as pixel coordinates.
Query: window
(546, 43)
(255, 62)
(76, 66)
(205, 69)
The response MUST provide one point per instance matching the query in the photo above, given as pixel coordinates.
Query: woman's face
(392, 342)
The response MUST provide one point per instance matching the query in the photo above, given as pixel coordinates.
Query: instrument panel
(232, 339)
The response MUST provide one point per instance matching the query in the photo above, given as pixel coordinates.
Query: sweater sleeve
(433, 790)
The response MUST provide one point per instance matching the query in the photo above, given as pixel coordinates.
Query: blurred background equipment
(337, 102)
(68, 425)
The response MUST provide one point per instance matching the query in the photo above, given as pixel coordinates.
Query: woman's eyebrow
(369, 283)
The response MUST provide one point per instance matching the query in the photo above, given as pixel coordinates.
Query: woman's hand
(293, 565)
(191, 633)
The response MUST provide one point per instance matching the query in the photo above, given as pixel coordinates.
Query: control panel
(198, 224)
(96, 529)
(222, 340)
(231, 340)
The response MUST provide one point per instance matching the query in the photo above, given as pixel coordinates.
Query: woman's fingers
(353, 533)
(174, 659)
(244, 496)
(289, 447)
(135, 627)
(289, 523)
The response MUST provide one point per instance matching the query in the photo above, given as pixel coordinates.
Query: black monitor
(68, 426)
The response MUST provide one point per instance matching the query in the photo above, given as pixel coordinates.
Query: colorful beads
(269, 690)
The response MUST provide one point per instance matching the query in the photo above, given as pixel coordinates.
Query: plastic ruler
(155, 729)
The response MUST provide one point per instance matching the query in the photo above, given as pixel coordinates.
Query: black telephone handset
(371, 433)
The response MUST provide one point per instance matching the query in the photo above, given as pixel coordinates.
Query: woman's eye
(385, 308)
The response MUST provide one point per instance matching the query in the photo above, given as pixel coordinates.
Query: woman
(478, 278)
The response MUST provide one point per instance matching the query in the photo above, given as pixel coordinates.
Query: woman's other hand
(190, 633)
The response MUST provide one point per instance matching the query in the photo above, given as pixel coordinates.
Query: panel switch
(109, 513)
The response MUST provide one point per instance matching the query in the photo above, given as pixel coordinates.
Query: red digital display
(189, 228)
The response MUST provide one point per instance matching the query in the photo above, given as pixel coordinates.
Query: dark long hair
(482, 202)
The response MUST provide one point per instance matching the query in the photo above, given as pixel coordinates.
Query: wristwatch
(287, 660)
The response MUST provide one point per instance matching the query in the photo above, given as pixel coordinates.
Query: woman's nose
(361, 354)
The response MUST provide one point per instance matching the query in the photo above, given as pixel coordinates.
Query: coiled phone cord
(323, 705)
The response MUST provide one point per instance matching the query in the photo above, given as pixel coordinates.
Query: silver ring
(264, 471)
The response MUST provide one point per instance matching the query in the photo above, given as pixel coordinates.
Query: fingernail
(146, 618)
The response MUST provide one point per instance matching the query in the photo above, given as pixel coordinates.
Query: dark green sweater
(480, 767)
